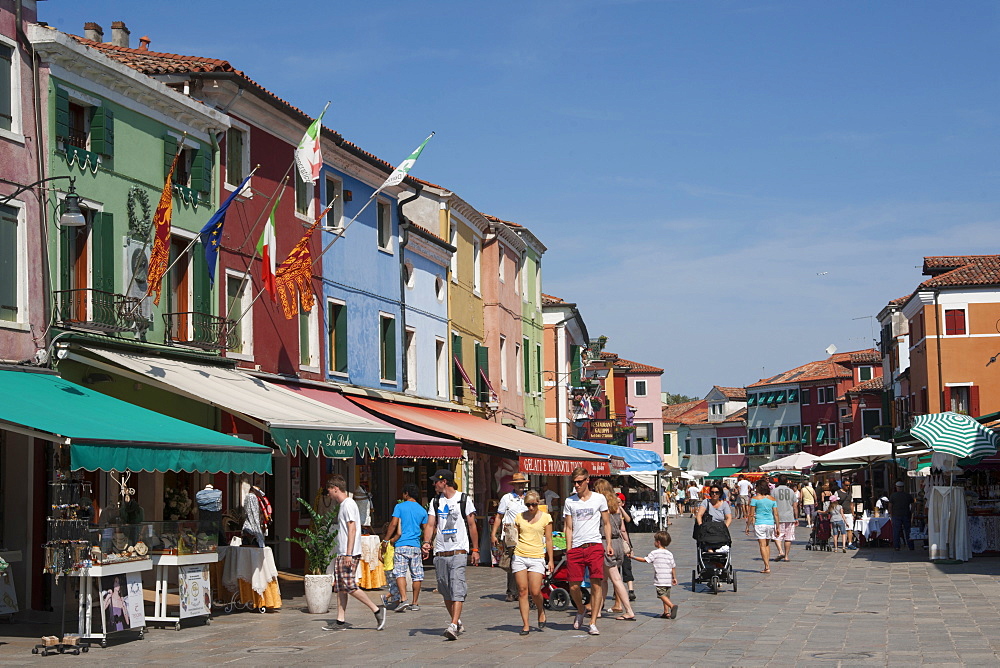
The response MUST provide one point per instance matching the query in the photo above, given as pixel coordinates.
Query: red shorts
(579, 559)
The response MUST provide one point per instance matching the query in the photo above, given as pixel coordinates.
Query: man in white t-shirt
(451, 520)
(345, 565)
(588, 537)
(745, 490)
(693, 496)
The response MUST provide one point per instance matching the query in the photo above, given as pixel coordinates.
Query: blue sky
(725, 187)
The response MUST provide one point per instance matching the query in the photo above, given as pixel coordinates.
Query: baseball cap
(443, 474)
(899, 483)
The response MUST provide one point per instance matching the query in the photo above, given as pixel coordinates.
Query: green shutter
(715, 445)
(820, 433)
(482, 371)
(202, 288)
(666, 444)
(574, 366)
(169, 151)
(793, 396)
(66, 237)
(538, 368)
(62, 112)
(8, 263)
(751, 400)
(698, 441)
(805, 434)
(201, 170)
(304, 353)
(103, 252)
(387, 336)
(102, 131)
(780, 398)
(526, 362)
(458, 383)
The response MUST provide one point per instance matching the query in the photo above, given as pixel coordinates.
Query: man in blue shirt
(405, 528)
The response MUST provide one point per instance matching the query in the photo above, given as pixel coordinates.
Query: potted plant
(318, 541)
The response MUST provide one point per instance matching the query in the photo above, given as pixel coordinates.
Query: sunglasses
(531, 505)
(716, 491)
(580, 482)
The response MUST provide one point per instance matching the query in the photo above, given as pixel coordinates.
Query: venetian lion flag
(293, 278)
(308, 157)
(404, 168)
(267, 247)
(160, 255)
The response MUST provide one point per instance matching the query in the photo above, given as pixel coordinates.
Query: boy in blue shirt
(405, 528)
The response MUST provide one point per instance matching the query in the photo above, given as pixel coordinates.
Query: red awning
(408, 443)
(535, 454)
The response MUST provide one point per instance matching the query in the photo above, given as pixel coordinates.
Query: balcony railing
(201, 330)
(97, 311)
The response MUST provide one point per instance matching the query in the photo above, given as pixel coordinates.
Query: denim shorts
(839, 528)
(408, 558)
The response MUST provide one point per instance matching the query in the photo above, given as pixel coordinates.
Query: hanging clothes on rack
(948, 524)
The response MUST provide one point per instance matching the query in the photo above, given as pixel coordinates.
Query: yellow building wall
(465, 306)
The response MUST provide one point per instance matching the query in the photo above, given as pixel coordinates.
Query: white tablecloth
(250, 564)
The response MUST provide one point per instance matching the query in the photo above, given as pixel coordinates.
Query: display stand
(163, 562)
(247, 575)
(8, 595)
(87, 587)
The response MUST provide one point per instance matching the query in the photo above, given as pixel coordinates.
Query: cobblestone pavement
(870, 607)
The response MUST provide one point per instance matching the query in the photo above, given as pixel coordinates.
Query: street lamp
(71, 215)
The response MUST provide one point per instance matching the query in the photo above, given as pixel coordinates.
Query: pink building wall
(647, 408)
(502, 318)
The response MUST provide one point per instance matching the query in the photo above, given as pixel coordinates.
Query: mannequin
(255, 524)
(209, 502)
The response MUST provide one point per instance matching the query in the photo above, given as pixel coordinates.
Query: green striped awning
(955, 434)
(724, 472)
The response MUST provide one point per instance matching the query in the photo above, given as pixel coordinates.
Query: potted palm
(318, 541)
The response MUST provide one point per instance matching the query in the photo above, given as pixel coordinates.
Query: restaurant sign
(540, 466)
(602, 429)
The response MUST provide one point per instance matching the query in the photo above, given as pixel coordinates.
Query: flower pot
(319, 591)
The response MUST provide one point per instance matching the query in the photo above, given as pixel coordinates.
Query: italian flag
(308, 158)
(267, 248)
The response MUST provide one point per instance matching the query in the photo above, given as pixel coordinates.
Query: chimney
(119, 34)
(144, 43)
(93, 32)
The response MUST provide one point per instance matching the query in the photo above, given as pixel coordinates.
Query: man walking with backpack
(451, 521)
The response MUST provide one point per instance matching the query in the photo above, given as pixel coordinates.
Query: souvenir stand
(184, 549)
(246, 574)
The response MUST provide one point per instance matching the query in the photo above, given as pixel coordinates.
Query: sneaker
(389, 603)
(461, 626)
(403, 607)
(451, 633)
(413, 608)
(577, 621)
(631, 596)
(380, 617)
(593, 630)
(339, 625)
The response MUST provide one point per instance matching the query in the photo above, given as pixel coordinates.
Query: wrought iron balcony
(97, 311)
(200, 330)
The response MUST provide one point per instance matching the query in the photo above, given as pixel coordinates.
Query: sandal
(766, 570)
(623, 618)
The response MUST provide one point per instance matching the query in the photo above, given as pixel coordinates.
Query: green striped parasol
(955, 434)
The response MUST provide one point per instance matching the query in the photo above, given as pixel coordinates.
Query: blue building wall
(365, 277)
(428, 316)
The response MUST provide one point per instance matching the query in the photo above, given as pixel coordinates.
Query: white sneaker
(451, 633)
(461, 627)
(593, 630)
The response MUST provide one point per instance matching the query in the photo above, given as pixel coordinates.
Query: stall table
(163, 562)
(87, 584)
(372, 575)
(249, 576)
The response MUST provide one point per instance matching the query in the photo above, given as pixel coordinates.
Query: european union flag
(211, 234)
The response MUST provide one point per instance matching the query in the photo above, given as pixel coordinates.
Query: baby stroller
(555, 587)
(819, 539)
(715, 565)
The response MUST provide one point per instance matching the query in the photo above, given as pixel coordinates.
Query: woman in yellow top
(534, 541)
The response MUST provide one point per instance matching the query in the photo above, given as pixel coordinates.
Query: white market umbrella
(797, 462)
(866, 451)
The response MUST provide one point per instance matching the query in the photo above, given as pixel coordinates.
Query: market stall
(247, 577)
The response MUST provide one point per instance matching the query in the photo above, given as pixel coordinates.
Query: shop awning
(638, 460)
(535, 454)
(113, 435)
(409, 443)
(296, 423)
(724, 472)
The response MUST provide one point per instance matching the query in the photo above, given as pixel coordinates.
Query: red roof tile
(866, 357)
(876, 384)
(623, 363)
(837, 366)
(500, 220)
(961, 271)
(735, 393)
(738, 416)
(673, 412)
(549, 299)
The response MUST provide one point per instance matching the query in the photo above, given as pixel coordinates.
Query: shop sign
(602, 429)
(618, 464)
(540, 466)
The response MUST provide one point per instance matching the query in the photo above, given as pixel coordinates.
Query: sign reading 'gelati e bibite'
(540, 466)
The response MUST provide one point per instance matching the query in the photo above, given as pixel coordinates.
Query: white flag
(308, 157)
(400, 172)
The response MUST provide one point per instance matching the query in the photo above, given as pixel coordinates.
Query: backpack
(461, 506)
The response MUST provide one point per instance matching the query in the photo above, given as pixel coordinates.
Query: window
(500, 266)
(387, 347)
(236, 168)
(640, 388)
(453, 240)
(522, 276)
(194, 163)
(11, 262)
(959, 399)
(482, 373)
(666, 444)
(538, 368)
(864, 373)
(439, 284)
(10, 102)
(458, 381)
(238, 301)
(538, 284)
(308, 340)
(643, 432)
(335, 196)
(714, 446)
(806, 392)
(336, 337)
(524, 382)
(698, 441)
(954, 321)
(476, 266)
(844, 412)
(503, 362)
(871, 419)
(384, 226)
(408, 275)
(441, 366)
(303, 194)
(410, 345)
(687, 446)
